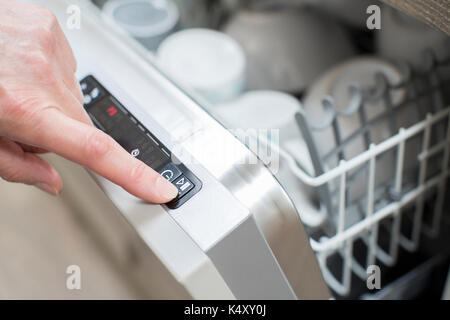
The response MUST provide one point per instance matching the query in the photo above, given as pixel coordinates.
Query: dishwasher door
(238, 236)
(358, 92)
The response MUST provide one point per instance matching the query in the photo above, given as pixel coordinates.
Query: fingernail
(166, 190)
(47, 188)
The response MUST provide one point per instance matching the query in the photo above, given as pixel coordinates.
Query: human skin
(41, 110)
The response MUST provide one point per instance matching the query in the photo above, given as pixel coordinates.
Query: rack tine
(390, 258)
(356, 92)
(395, 237)
(348, 264)
(342, 198)
(341, 287)
(328, 103)
(412, 244)
(324, 191)
(438, 97)
(370, 207)
(383, 82)
(437, 214)
(407, 75)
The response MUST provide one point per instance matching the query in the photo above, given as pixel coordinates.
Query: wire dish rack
(388, 212)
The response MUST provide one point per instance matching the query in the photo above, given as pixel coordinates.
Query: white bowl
(207, 61)
(262, 109)
(287, 49)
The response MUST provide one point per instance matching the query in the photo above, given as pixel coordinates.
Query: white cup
(207, 61)
(148, 21)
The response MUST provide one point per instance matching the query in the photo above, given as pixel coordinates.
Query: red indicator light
(111, 111)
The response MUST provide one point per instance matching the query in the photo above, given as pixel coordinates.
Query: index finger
(96, 150)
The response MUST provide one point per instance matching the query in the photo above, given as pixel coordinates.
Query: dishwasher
(309, 142)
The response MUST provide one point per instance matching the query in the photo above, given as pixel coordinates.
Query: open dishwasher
(352, 182)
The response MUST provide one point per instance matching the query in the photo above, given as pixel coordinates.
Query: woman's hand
(41, 111)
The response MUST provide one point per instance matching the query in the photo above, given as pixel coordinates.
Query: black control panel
(109, 115)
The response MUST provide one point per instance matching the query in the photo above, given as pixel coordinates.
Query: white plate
(335, 83)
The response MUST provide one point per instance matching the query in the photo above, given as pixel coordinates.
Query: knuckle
(7, 102)
(41, 66)
(98, 145)
(48, 17)
(10, 175)
(138, 172)
(12, 109)
(44, 33)
(46, 38)
(39, 62)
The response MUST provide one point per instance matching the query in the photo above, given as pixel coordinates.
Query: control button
(86, 85)
(95, 93)
(111, 111)
(170, 172)
(87, 99)
(184, 185)
(135, 152)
